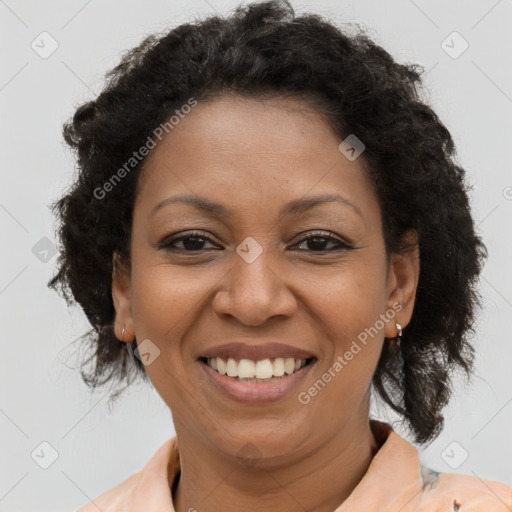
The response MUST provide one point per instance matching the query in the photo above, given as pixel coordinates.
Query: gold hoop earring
(122, 333)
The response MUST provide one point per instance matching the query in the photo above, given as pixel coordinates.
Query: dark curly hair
(265, 49)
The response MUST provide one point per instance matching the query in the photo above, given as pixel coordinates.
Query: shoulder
(396, 480)
(467, 493)
(149, 486)
(112, 500)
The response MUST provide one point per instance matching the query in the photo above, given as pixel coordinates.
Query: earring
(122, 334)
(399, 334)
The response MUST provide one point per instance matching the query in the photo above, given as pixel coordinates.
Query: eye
(192, 242)
(318, 241)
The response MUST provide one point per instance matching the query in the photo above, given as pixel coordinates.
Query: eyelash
(166, 243)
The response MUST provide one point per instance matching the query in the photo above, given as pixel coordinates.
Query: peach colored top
(394, 482)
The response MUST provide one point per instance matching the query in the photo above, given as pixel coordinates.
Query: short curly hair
(265, 49)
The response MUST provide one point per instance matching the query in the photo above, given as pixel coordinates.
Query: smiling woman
(301, 238)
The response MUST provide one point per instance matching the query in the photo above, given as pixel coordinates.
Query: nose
(254, 292)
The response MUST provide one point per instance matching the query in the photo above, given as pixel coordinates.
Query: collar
(394, 481)
(393, 452)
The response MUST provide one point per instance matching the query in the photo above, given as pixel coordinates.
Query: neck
(320, 481)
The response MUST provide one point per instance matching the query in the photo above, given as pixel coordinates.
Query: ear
(404, 271)
(121, 295)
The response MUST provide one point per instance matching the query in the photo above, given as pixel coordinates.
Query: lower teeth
(256, 380)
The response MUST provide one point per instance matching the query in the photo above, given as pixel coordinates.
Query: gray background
(43, 399)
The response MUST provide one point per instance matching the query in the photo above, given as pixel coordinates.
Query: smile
(256, 382)
(264, 370)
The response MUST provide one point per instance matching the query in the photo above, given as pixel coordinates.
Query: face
(275, 261)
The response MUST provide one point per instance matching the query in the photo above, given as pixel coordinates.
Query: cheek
(348, 300)
(163, 308)
(350, 308)
(349, 313)
(165, 300)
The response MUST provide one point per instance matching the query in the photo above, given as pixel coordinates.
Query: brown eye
(192, 242)
(320, 241)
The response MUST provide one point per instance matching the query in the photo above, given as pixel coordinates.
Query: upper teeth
(263, 369)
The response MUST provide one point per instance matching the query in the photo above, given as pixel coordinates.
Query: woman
(268, 224)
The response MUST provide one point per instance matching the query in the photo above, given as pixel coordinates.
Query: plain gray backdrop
(43, 400)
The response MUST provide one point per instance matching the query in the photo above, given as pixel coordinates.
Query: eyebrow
(295, 207)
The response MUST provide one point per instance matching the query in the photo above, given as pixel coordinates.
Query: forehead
(239, 151)
(249, 129)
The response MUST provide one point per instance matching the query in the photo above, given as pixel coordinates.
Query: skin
(253, 157)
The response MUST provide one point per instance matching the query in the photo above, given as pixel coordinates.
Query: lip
(240, 350)
(253, 393)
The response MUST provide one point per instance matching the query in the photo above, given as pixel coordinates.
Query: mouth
(255, 382)
(256, 371)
